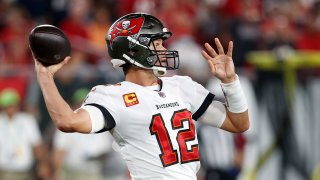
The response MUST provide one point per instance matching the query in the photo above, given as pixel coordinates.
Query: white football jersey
(154, 129)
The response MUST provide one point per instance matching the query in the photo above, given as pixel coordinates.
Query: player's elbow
(244, 126)
(244, 123)
(64, 127)
(74, 122)
(238, 122)
(65, 124)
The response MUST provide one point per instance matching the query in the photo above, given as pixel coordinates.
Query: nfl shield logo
(161, 94)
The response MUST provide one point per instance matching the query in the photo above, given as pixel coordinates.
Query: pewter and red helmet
(129, 38)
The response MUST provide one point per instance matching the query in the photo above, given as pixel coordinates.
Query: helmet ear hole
(151, 60)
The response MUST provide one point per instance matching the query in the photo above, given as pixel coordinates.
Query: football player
(151, 117)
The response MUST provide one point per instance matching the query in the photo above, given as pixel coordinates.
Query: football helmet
(129, 40)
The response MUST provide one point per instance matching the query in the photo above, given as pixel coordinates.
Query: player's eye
(159, 44)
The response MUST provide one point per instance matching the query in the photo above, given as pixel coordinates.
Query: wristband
(235, 99)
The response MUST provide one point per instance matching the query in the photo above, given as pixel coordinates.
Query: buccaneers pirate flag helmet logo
(126, 28)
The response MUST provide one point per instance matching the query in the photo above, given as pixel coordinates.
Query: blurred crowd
(282, 142)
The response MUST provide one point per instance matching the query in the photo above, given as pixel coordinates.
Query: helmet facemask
(162, 58)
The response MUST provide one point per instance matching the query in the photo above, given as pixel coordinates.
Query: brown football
(49, 44)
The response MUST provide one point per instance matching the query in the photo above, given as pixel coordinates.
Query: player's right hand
(50, 70)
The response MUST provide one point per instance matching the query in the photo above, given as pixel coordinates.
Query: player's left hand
(221, 65)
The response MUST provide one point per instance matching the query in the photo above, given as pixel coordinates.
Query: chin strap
(158, 71)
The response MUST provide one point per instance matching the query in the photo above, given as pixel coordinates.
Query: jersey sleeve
(196, 95)
(99, 100)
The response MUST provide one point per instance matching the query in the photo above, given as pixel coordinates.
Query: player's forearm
(60, 112)
(236, 106)
(240, 121)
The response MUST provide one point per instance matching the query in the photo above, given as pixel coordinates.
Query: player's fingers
(205, 55)
(210, 50)
(230, 49)
(34, 57)
(36, 62)
(219, 46)
(210, 63)
(66, 59)
(212, 67)
(54, 68)
(62, 63)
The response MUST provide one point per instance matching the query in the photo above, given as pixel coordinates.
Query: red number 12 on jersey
(169, 156)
